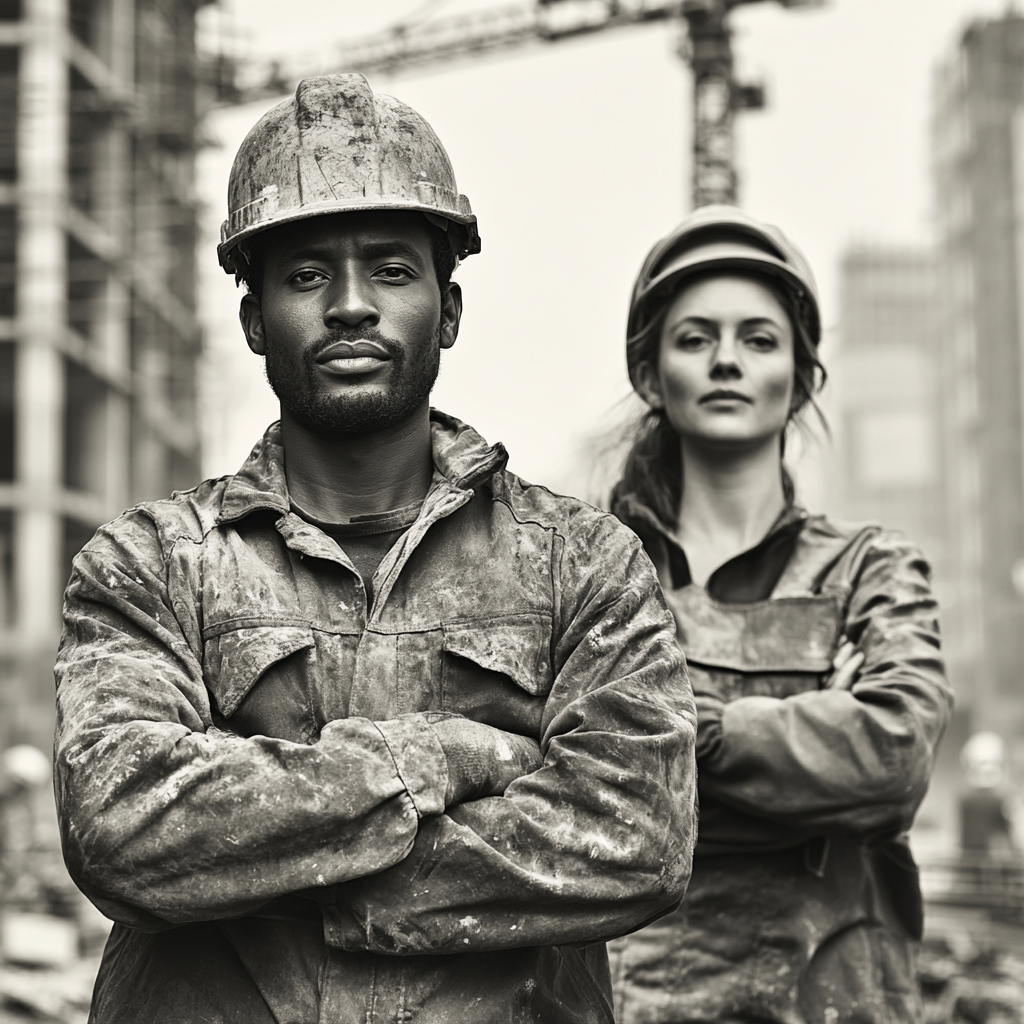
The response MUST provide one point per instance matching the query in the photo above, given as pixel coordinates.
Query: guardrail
(988, 883)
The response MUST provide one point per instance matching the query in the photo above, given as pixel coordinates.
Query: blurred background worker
(986, 829)
(813, 650)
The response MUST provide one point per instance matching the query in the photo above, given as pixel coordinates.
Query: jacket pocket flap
(518, 648)
(794, 634)
(234, 661)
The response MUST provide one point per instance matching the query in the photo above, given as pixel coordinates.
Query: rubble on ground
(970, 985)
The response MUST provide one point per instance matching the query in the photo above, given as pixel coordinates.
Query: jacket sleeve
(166, 819)
(596, 842)
(845, 762)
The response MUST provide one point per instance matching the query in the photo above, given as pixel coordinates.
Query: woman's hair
(653, 469)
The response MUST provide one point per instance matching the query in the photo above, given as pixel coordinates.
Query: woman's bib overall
(804, 905)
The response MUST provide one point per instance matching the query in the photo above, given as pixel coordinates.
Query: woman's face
(725, 365)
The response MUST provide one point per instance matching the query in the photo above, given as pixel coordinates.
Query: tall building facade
(978, 153)
(889, 464)
(98, 339)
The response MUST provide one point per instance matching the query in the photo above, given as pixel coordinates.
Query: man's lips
(353, 357)
(725, 396)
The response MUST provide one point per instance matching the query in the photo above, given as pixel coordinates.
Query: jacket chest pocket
(257, 678)
(498, 671)
(773, 648)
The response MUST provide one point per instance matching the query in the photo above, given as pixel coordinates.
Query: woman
(813, 650)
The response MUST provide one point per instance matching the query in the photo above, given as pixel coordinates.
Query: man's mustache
(351, 337)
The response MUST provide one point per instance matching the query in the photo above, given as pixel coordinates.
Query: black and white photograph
(512, 512)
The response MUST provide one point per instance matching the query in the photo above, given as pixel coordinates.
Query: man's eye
(394, 272)
(307, 277)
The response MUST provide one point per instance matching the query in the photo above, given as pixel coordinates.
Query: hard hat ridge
(335, 147)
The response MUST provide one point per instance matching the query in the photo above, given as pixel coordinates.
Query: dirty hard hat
(337, 147)
(717, 238)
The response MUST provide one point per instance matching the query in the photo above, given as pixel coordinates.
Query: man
(371, 731)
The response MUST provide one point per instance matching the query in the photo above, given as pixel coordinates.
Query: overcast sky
(575, 158)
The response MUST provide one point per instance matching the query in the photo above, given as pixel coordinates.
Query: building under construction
(978, 139)
(98, 339)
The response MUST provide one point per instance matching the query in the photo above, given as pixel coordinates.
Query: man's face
(351, 320)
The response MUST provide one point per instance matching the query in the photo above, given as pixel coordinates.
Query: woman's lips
(724, 396)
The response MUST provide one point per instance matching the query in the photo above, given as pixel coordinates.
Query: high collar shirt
(250, 787)
(804, 899)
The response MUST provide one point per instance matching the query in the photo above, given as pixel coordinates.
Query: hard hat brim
(462, 227)
(718, 257)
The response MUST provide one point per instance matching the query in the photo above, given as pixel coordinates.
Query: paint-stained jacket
(804, 901)
(249, 785)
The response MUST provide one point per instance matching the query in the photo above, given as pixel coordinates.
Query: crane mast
(706, 45)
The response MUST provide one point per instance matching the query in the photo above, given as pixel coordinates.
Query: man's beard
(352, 411)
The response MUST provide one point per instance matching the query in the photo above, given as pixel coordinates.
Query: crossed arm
(853, 758)
(411, 832)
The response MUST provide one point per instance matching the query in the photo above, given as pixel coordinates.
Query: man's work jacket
(804, 901)
(248, 782)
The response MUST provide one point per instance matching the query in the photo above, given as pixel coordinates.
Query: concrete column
(113, 184)
(39, 322)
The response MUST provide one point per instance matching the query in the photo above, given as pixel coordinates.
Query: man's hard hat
(717, 238)
(338, 147)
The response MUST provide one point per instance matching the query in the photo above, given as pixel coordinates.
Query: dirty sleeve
(145, 781)
(599, 840)
(845, 762)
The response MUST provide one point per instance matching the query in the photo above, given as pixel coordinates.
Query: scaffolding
(98, 339)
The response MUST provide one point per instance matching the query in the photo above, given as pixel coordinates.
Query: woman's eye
(762, 342)
(692, 342)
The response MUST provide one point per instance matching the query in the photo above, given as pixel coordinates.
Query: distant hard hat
(25, 765)
(338, 147)
(983, 758)
(717, 238)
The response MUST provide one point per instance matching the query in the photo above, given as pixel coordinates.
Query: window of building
(76, 535)
(6, 568)
(83, 21)
(8, 257)
(6, 411)
(8, 107)
(84, 429)
(86, 277)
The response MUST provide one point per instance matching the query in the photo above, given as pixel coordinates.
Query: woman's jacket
(804, 896)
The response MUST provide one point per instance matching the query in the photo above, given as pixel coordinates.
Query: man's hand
(845, 666)
(482, 760)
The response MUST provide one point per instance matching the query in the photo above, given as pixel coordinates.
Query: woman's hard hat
(336, 147)
(718, 238)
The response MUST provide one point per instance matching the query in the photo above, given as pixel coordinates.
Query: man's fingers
(846, 675)
(842, 655)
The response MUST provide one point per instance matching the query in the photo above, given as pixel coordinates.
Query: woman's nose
(725, 361)
(351, 303)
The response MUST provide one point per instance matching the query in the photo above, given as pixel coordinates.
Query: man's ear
(451, 314)
(251, 318)
(648, 383)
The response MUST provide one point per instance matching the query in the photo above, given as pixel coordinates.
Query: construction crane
(706, 46)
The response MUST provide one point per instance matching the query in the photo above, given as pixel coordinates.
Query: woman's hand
(845, 665)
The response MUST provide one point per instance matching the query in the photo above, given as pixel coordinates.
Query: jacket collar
(628, 508)
(461, 456)
(657, 537)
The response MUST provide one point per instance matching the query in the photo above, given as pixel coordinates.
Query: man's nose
(351, 302)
